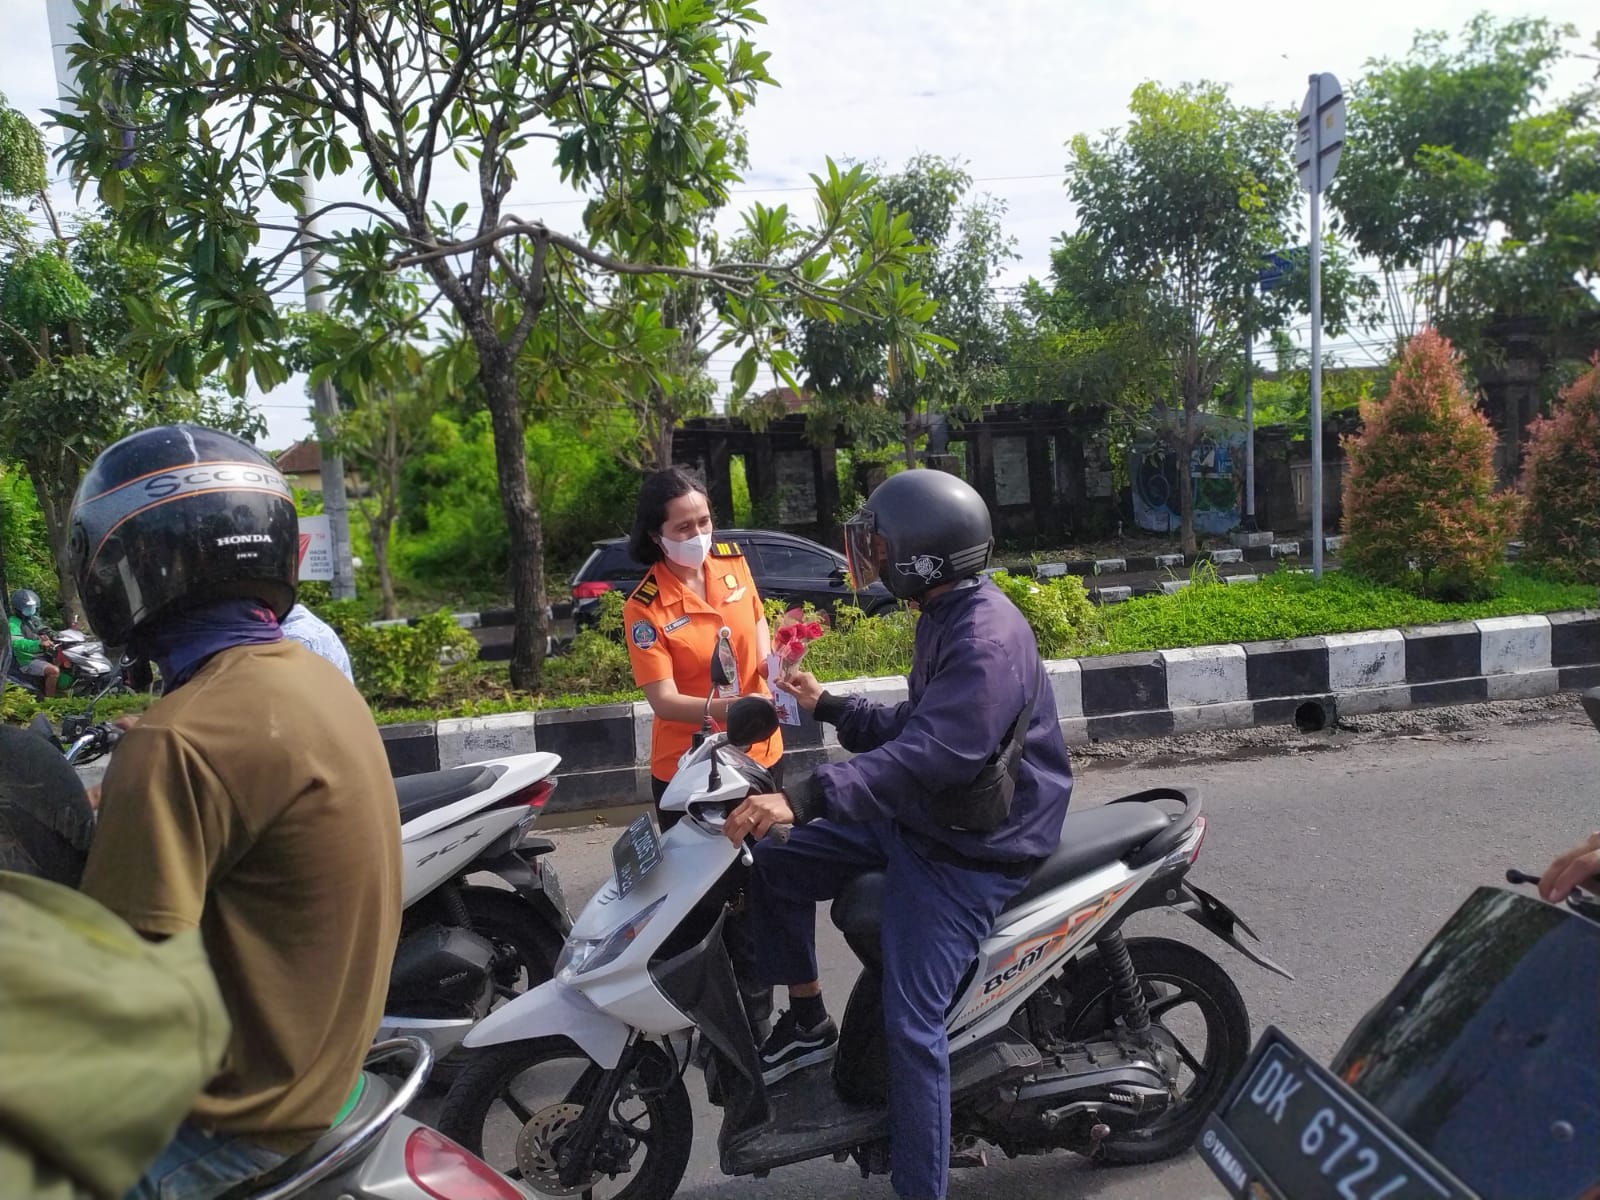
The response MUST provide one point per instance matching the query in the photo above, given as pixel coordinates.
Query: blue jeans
(197, 1165)
(931, 934)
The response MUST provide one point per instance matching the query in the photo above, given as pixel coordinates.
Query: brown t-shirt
(256, 803)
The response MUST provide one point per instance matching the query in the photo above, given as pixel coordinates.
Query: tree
(679, 386)
(936, 334)
(67, 389)
(227, 99)
(1175, 216)
(1459, 170)
(1561, 483)
(1419, 503)
(389, 383)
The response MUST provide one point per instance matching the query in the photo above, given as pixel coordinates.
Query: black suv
(785, 567)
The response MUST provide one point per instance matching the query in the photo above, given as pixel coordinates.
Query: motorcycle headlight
(582, 955)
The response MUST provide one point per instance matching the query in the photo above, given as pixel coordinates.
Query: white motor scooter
(465, 945)
(1060, 1037)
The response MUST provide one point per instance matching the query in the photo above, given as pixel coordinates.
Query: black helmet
(25, 602)
(176, 516)
(919, 529)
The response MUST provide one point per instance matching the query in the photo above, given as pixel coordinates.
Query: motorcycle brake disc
(537, 1147)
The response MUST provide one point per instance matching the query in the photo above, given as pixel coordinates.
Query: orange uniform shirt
(672, 634)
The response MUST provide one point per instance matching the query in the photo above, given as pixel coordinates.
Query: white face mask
(690, 552)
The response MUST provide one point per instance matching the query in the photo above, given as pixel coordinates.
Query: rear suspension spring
(1124, 983)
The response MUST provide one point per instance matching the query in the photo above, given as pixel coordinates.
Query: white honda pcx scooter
(485, 917)
(1059, 1039)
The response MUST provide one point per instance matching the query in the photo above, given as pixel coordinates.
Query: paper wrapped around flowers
(791, 637)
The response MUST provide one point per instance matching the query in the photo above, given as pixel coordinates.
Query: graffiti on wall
(1217, 479)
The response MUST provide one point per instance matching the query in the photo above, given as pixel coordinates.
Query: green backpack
(105, 1041)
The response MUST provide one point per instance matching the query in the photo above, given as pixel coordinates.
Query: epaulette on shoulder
(647, 591)
(726, 550)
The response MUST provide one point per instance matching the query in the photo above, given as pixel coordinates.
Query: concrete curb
(605, 751)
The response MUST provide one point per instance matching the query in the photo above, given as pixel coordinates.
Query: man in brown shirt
(253, 801)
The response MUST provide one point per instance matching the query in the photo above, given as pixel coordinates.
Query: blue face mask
(184, 642)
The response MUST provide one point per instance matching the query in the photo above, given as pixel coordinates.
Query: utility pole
(334, 502)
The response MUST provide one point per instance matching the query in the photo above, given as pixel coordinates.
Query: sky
(1002, 85)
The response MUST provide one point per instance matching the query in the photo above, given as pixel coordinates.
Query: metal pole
(1316, 329)
(1249, 426)
(334, 502)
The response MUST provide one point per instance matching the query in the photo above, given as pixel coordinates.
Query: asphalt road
(1344, 854)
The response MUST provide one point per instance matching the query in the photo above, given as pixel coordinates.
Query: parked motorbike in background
(1476, 1078)
(466, 946)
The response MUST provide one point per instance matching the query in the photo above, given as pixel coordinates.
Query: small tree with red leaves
(1561, 484)
(1420, 509)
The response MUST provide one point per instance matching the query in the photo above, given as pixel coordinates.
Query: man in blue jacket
(913, 803)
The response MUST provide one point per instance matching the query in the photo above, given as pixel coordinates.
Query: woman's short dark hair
(657, 491)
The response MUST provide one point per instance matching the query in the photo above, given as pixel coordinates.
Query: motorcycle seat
(434, 789)
(1090, 838)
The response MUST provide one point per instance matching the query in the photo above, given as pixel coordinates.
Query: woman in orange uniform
(673, 622)
(695, 588)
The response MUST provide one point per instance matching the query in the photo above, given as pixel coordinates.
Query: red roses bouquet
(791, 638)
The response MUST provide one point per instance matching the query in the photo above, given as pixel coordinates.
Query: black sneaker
(790, 1047)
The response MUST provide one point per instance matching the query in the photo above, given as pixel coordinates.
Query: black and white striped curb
(605, 751)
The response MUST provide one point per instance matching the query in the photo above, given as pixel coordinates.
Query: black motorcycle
(1476, 1078)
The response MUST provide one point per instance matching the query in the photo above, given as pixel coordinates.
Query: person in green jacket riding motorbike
(30, 640)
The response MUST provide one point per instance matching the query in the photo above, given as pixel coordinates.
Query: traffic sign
(1319, 133)
(1278, 266)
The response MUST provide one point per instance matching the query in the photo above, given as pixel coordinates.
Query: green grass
(1286, 606)
(1205, 613)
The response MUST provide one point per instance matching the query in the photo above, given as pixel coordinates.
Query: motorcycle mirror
(723, 667)
(751, 719)
(1591, 705)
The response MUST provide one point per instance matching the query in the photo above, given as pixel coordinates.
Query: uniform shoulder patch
(647, 591)
(726, 550)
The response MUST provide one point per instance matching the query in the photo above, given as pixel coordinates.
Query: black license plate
(1289, 1129)
(636, 853)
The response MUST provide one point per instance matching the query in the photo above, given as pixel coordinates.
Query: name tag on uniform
(678, 624)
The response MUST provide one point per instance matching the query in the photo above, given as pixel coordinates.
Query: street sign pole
(1319, 141)
(1249, 418)
(1316, 342)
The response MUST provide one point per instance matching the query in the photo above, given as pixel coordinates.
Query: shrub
(402, 662)
(1063, 618)
(1419, 505)
(1561, 483)
(859, 646)
(597, 660)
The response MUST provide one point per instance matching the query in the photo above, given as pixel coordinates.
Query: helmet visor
(864, 550)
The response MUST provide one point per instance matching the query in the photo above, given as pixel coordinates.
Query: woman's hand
(756, 816)
(803, 686)
(1578, 867)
